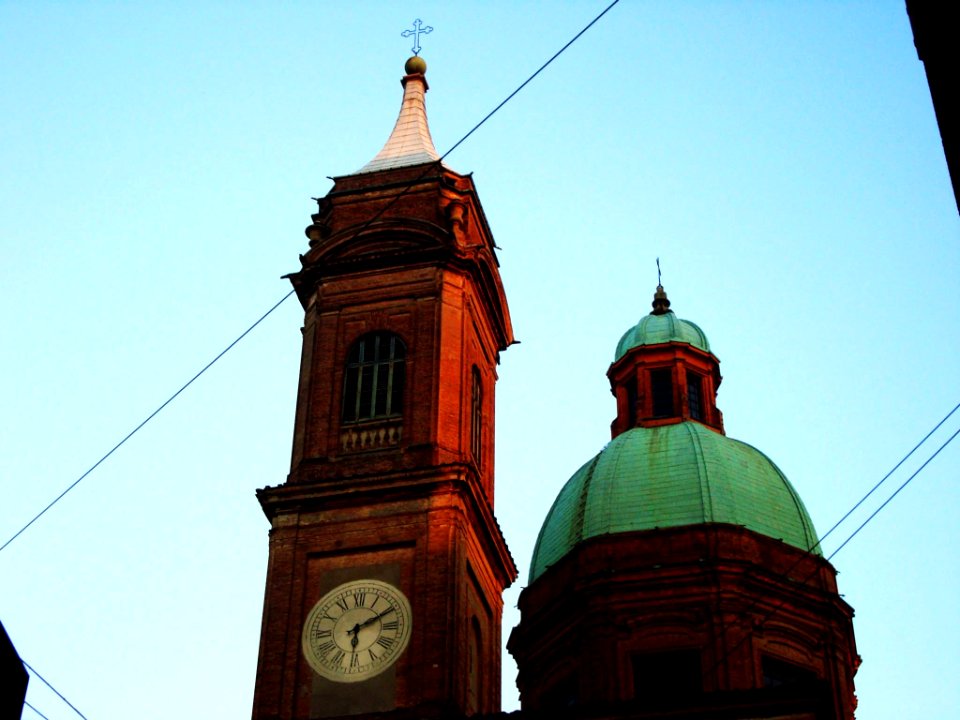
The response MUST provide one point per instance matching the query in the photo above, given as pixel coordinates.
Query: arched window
(374, 378)
(476, 416)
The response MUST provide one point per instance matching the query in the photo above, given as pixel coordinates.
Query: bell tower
(386, 564)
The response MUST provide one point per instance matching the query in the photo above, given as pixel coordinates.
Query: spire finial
(410, 142)
(418, 29)
(661, 303)
(415, 65)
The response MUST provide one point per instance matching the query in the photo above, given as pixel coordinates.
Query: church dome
(671, 476)
(655, 329)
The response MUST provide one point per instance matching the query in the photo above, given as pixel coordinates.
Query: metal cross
(418, 28)
(658, 272)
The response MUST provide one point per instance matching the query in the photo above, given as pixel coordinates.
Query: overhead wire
(150, 417)
(526, 82)
(895, 493)
(393, 201)
(366, 225)
(57, 692)
(809, 553)
(838, 523)
(882, 481)
(803, 581)
(27, 704)
(272, 309)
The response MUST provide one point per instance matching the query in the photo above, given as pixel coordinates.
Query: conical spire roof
(410, 142)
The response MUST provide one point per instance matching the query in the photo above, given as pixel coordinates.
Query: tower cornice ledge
(433, 489)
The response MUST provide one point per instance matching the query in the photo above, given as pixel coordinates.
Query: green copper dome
(670, 476)
(654, 329)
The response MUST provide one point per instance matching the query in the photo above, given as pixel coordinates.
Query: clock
(357, 630)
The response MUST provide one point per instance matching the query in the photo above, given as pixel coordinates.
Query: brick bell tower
(387, 566)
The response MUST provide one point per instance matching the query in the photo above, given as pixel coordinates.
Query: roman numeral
(373, 658)
(359, 598)
(324, 648)
(385, 642)
(392, 625)
(342, 603)
(337, 657)
(354, 662)
(322, 634)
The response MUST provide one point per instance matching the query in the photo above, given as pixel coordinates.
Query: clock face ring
(357, 630)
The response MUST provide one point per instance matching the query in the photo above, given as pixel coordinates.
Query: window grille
(374, 378)
(694, 395)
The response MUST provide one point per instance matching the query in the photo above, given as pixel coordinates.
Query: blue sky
(782, 159)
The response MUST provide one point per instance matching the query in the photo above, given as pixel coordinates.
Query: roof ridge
(706, 497)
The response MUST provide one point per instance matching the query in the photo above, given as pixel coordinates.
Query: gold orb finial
(416, 64)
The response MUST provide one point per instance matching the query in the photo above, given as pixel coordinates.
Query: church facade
(677, 574)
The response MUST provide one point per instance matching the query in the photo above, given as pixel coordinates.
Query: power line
(280, 302)
(895, 493)
(882, 481)
(870, 492)
(393, 201)
(26, 704)
(522, 85)
(360, 230)
(58, 693)
(148, 419)
(776, 608)
(809, 552)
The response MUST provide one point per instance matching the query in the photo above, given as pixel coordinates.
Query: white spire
(410, 142)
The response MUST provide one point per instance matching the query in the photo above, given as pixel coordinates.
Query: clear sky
(781, 158)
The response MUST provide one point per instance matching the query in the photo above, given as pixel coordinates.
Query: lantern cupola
(664, 372)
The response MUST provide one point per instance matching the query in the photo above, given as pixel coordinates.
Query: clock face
(357, 630)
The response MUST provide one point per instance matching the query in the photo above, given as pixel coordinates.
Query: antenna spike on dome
(661, 304)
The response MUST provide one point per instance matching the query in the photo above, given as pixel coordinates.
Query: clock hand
(375, 617)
